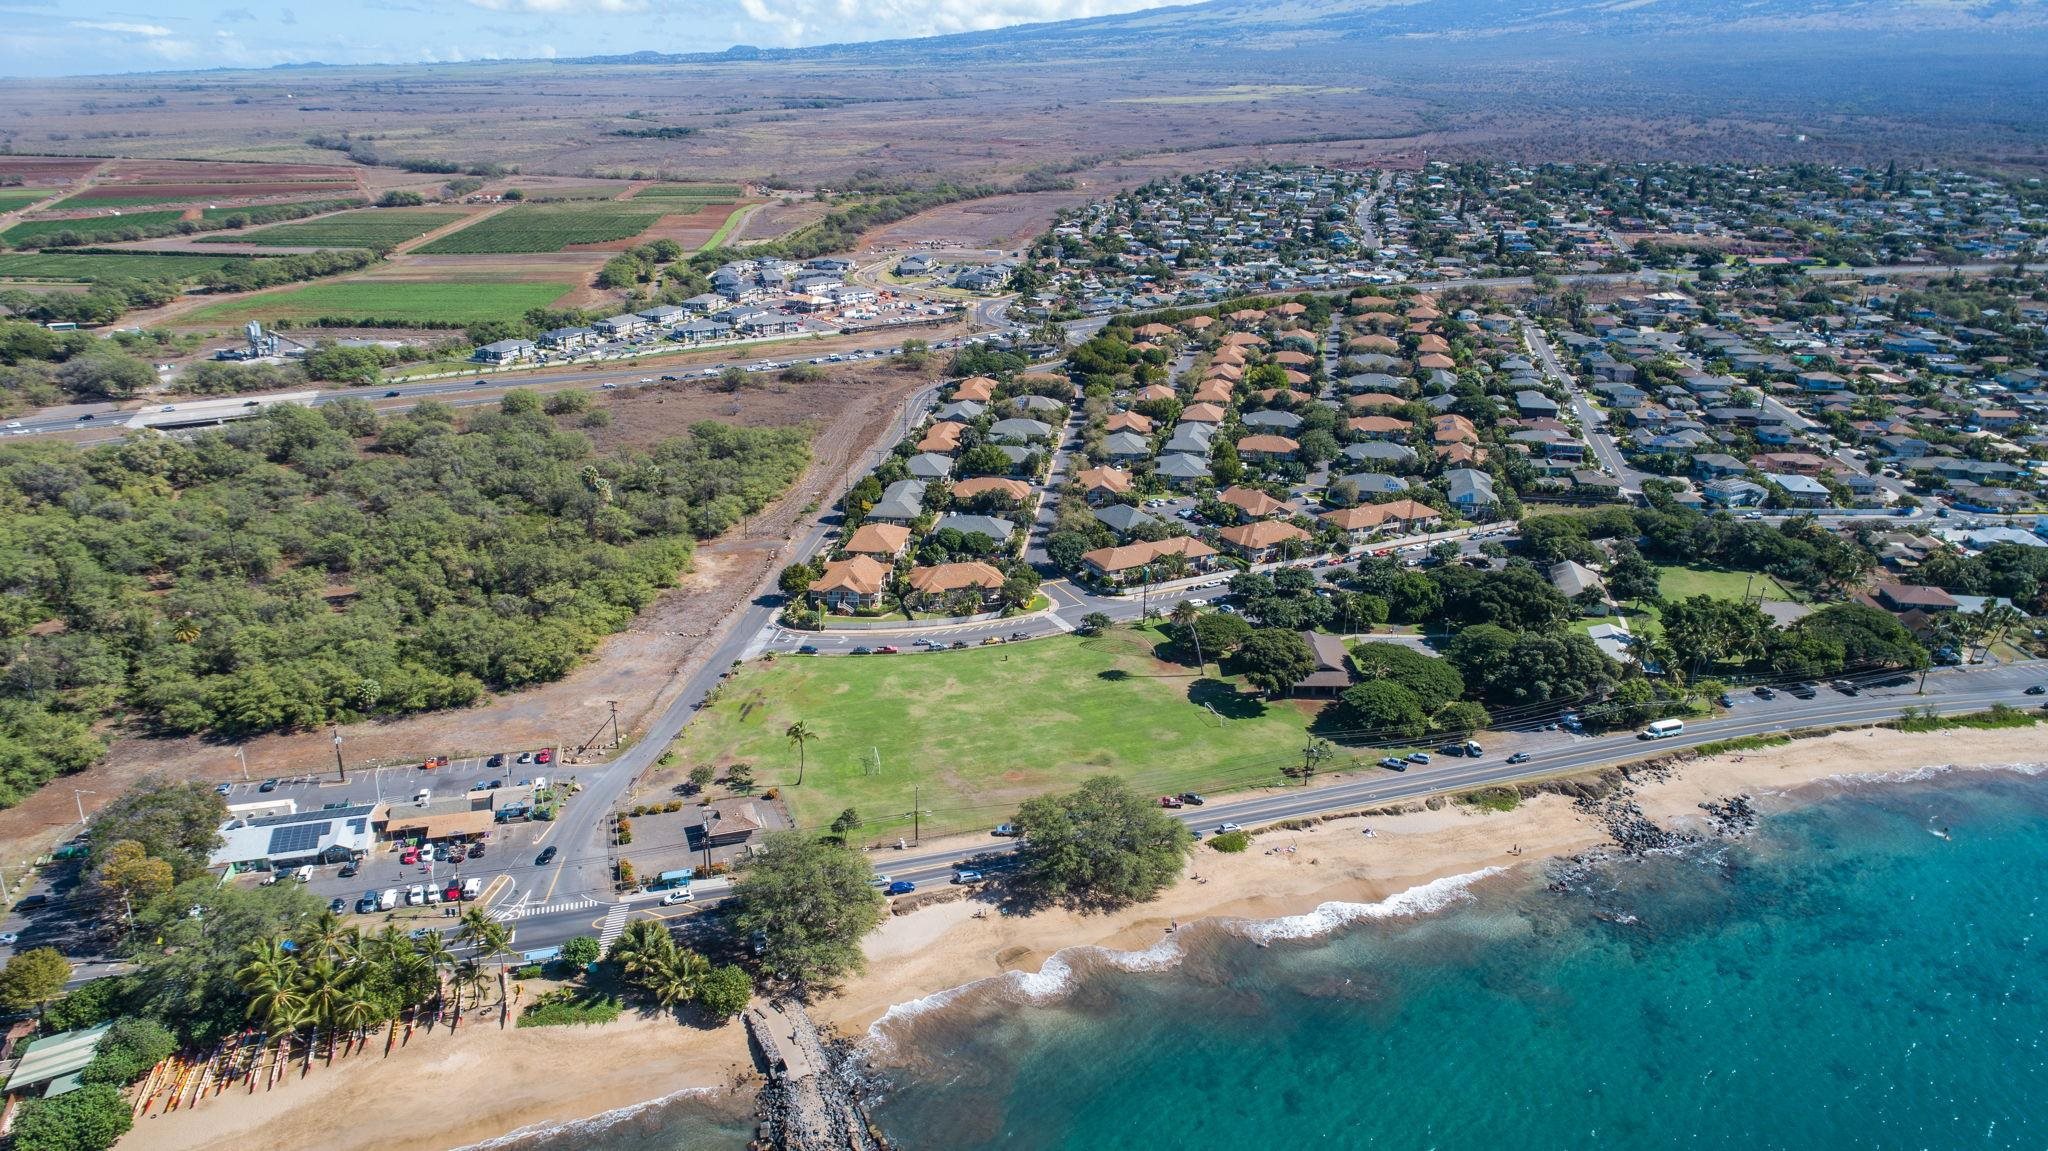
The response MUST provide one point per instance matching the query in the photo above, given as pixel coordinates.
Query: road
(1592, 422)
(1949, 691)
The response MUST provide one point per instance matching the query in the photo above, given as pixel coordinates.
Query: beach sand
(448, 1091)
(454, 1089)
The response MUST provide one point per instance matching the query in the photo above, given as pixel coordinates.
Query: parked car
(348, 870)
(1457, 749)
(1223, 828)
(337, 905)
(1766, 693)
(679, 895)
(267, 785)
(1845, 687)
(1803, 691)
(901, 887)
(476, 851)
(525, 757)
(1418, 757)
(957, 645)
(1519, 757)
(496, 760)
(451, 893)
(472, 887)
(1192, 799)
(416, 895)
(1726, 700)
(223, 788)
(1171, 801)
(367, 904)
(967, 875)
(410, 856)
(546, 856)
(2037, 689)
(1394, 763)
(863, 650)
(808, 649)
(887, 649)
(1007, 830)
(544, 756)
(880, 880)
(1473, 749)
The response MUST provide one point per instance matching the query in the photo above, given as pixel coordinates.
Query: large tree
(1434, 681)
(1385, 710)
(175, 822)
(1529, 669)
(810, 902)
(1103, 845)
(33, 978)
(88, 1119)
(1274, 659)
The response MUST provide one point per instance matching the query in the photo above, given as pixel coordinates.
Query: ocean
(1843, 977)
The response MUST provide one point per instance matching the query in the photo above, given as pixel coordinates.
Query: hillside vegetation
(318, 566)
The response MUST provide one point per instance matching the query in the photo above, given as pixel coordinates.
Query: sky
(74, 37)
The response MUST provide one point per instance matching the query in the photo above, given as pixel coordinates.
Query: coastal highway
(1949, 691)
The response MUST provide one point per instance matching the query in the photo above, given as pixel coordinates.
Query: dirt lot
(780, 218)
(638, 667)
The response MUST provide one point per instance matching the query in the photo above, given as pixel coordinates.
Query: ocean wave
(592, 1124)
(1921, 774)
(1056, 976)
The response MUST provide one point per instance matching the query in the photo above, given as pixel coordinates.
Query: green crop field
(373, 303)
(254, 211)
(13, 198)
(93, 228)
(372, 228)
(58, 264)
(689, 192)
(980, 730)
(546, 228)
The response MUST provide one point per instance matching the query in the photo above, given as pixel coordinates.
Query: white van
(304, 874)
(416, 895)
(472, 887)
(388, 899)
(1662, 729)
(423, 796)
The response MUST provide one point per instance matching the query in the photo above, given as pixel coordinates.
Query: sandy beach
(448, 1092)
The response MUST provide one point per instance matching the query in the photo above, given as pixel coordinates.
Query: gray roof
(902, 500)
(930, 466)
(959, 411)
(1182, 467)
(1019, 428)
(1571, 578)
(1469, 484)
(1375, 382)
(1185, 440)
(1127, 444)
(1375, 483)
(1273, 419)
(1036, 403)
(994, 527)
(1378, 450)
(1123, 518)
(1529, 399)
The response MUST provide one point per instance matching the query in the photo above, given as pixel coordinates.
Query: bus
(671, 879)
(1662, 729)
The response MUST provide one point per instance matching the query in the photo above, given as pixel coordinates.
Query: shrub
(1492, 799)
(1231, 842)
(580, 951)
(567, 1005)
(528, 971)
(127, 1051)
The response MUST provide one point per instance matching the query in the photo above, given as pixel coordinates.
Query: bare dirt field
(779, 218)
(853, 407)
(46, 170)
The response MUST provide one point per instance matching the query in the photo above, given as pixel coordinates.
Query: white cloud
(574, 7)
(801, 22)
(151, 31)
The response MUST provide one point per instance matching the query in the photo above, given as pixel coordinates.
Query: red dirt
(46, 169)
(639, 667)
(216, 171)
(224, 191)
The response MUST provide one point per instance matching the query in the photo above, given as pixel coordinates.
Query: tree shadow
(1113, 675)
(1224, 699)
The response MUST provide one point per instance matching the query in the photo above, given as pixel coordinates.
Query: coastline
(483, 1084)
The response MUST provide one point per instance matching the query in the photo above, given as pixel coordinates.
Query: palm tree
(674, 977)
(327, 936)
(1184, 616)
(799, 733)
(270, 977)
(641, 940)
(326, 986)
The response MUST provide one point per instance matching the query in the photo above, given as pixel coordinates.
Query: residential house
(620, 327)
(1470, 491)
(1376, 455)
(504, 352)
(886, 541)
(1273, 421)
(1120, 565)
(851, 584)
(568, 339)
(1802, 491)
(1363, 520)
(929, 466)
(1899, 597)
(1332, 671)
(1182, 470)
(1015, 492)
(943, 581)
(1378, 427)
(1733, 492)
(1126, 446)
(1019, 430)
(1135, 422)
(997, 529)
(1124, 520)
(1103, 485)
(1573, 579)
(943, 438)
(1373, 483)
(1267, 447)
(1251, 503)
(726, 823)
(1259, 541)
(663, 315)
(975, 389)
(901, 503)
(1533, 404)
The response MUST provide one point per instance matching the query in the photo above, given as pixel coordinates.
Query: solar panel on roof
(296, 837)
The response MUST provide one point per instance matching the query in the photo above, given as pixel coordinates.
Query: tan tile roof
(878, 540)
(859, 574)
(1202, 414)
(943, 578)
(1383, 344)
(943, 438)
(1155, 392)
(1261, 534)
(982, 485)
(977, 388)
(1271, 445)
(1434, 360)
(1214, 392)
(1197, 323)
(1130, 421)
(1243, 340)
(1120, 559)
(1375, 400)
(1251, 501)
(1376, 425)
(1292, 359)
(1114, 480)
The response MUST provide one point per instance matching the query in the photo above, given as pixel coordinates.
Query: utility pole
(340, 768)
(242, 754)
(916, 815)
(614, 705)
(78, 797)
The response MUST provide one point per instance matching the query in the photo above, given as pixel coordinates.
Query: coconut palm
(1183, 617)
(270, 978)
(674, 977)
(799, 733)
(642, 941)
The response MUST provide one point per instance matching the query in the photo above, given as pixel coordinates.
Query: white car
(416, 895)
(880, 880)
(679, 895)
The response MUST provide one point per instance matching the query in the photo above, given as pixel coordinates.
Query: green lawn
(1682, 582)
(90, 228)
(58, 264)
(688, 192)
(984, 728)
(549, 228)
(377, 303)
(374, 228)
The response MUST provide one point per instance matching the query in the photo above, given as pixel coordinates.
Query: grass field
(1683, 582)
(12, 198)
(91, 228)
(326, 205)
(717, 238)
(388, 302)
(373, 228)
(985, 728)
(688, 192)
(547, 228)
(58, 264)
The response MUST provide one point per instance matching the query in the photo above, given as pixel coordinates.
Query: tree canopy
(811, 902)
(1102, 845)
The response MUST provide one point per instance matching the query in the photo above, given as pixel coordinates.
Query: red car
(545, 756)
(411, 856)
(1169, 801)
(453, 893)
(887, 649)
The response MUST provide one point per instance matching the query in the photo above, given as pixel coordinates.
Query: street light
(340, 769)
(78, 797)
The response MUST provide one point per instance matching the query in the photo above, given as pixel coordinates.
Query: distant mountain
(1282, 25)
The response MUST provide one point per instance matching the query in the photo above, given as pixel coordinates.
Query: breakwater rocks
(1732, 818)
(809, 1102)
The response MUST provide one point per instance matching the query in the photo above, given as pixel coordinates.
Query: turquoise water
(1844, 978)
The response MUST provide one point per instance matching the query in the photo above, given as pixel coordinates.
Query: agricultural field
(388, 303)
(377, 229)
(14, 198)
(980, 730)
(689, 192)
(58, 264)
(91, 228)
(548, 228)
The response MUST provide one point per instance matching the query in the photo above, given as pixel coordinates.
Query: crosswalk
(524, 910)
(614, 925)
